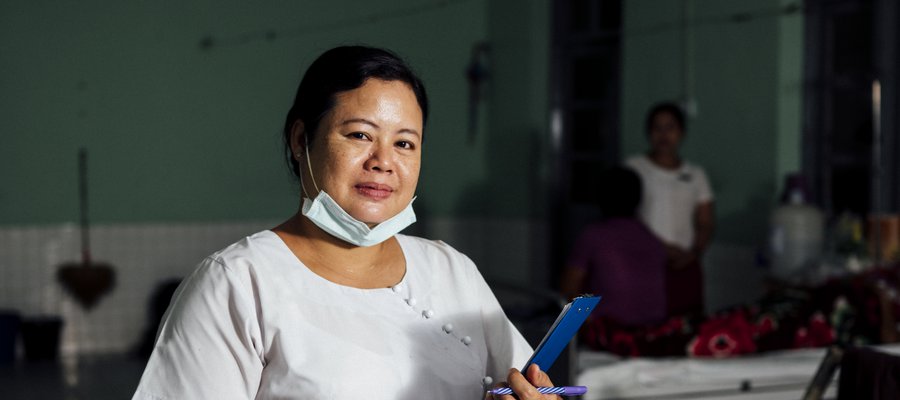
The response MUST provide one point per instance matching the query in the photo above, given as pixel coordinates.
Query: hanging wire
(736, 18)
(209, 42)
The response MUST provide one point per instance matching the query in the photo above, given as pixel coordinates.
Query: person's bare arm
(704, 223)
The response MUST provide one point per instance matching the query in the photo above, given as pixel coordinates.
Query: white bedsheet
(775, 375)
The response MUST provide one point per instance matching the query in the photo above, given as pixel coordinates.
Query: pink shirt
(626, 264)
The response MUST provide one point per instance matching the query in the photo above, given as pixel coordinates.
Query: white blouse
(670, 198)
(252, 322)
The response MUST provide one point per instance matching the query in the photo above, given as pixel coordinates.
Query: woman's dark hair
(623, 192)
(666, 107)
(339, 70)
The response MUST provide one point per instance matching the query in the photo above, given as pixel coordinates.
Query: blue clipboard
(563, 330)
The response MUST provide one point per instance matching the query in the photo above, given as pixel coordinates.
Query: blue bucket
(9, 332)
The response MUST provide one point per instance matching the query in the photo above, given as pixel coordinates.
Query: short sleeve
(704, 191)
(634, 162)
(208, 346)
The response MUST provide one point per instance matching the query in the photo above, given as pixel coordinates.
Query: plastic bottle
(797, 236)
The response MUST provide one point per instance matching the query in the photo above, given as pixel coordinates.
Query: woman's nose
(381, 158)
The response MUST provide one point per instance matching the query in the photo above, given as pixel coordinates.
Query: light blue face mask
(330, 217)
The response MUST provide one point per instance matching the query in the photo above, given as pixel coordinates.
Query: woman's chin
(374, 214)
(370, 218)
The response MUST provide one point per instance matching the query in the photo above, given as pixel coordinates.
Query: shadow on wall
(422, 226)
(499, 227)
(156, 309)
(731, 276)
(731, 272)
(749, 224)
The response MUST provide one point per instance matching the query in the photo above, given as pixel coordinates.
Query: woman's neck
(377, 266)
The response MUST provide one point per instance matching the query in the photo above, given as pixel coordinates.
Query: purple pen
(560, 390)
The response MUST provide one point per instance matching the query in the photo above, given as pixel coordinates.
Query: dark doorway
(585, 85)
(849, 45)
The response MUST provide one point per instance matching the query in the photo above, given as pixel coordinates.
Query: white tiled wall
(513, 251)
(144, 255)
(731, 276)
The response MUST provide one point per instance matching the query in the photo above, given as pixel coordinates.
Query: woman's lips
(374, 190)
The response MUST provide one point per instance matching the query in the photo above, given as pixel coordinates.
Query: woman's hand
(678, 258)
(524, 386)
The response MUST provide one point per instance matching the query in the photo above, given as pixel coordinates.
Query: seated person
(619, 258)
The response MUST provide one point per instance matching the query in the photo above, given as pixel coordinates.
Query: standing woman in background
(334, 303)
(677, 206)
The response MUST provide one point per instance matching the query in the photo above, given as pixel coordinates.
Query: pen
(560, 390)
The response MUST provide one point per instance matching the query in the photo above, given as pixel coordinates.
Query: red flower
(817, 333)
(765, 324)
(594, 334)
(801, 338)
(623, 344)
(723, 336)
(670, 327)
(722, 344)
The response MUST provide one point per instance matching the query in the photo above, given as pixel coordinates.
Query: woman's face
(367, 150)
(665, 134)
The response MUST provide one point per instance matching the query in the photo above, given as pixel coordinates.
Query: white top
(253, 322)
(670, 198)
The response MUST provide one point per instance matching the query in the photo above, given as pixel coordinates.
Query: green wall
(790, 94)
(740, 63)
(517, 138)
(177, 133)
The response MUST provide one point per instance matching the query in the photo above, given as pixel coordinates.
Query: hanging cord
(269, 35)
(876, 171)
(83, 205)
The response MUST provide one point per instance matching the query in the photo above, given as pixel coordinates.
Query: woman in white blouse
(334, 303)
(677, 206)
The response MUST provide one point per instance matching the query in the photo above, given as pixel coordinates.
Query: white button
(487, 381)
(396, 288)
(411, 301)
(467, 340)
(428, 313)
(448, 328)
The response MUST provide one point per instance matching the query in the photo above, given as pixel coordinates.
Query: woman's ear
(297, 139)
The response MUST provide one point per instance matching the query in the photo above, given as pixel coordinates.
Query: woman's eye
(405, 145)
(358, 135)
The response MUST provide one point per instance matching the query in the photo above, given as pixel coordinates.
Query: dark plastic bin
(40, 335)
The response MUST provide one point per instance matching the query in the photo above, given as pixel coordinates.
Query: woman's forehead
(378, 103)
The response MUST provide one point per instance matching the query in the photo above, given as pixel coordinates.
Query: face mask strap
(308, 166)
